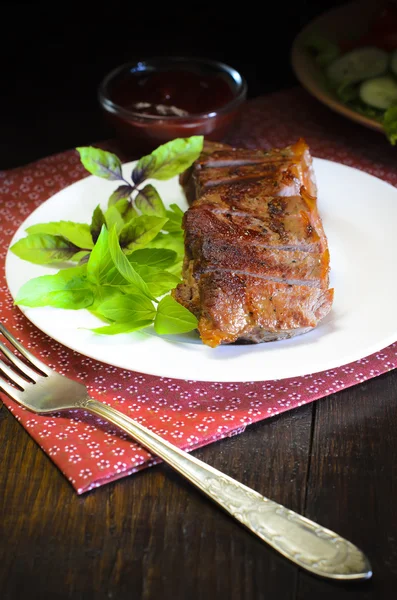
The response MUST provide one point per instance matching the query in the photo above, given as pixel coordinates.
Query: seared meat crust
(256, 262)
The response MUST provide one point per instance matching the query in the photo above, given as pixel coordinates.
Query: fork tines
(19, 366)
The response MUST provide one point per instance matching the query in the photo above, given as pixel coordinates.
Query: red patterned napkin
(89, 451)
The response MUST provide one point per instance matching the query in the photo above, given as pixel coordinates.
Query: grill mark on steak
(265, 277)
(278, 177)
(229, 159)
(227, 156)
(218, 166)
(291, 231)
(254, 200)
(256, 260)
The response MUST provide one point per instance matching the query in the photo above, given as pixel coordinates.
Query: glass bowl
(151, 101)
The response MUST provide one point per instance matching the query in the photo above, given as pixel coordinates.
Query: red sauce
(143, 95)
(172, 92)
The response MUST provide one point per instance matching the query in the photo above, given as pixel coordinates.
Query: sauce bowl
(151, 101)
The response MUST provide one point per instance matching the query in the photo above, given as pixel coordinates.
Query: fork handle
(307, 544)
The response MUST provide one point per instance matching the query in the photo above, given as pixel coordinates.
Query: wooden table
(152, 535)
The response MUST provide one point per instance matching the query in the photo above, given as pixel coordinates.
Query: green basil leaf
(153, 257)
(123, 192)
(124, 267)
(177, 211)
(162, 282)
(81, 256)
(100, 262)
(76, 233)
(158, 282)
(148, 201)
(126, 209)
(141, 230)
(176, 269)
(101, 163)
(101, 269)
(172, 241)
(97, 220)
(168, 160)
(127, 308)
(104, 293)
(42, 248)
(113, 218)
(114, 278)
(116, 328)
(172, 317)
(66, 289)
(175, 215)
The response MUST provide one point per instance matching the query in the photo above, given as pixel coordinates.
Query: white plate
(359, 214)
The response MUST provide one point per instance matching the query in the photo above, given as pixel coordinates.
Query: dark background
(54, 56)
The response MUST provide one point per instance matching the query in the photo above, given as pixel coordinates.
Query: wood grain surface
(152, 535)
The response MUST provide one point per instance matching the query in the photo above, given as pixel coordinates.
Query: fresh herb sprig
(128, 258)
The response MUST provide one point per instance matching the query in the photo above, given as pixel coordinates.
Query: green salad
(364, 79)
(123, 264)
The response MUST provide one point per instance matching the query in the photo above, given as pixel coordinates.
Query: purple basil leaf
(42, 249)
(168, 160)
(84, 259)
(101, 163)
(148, 201)
(122, 192)
(143, 169)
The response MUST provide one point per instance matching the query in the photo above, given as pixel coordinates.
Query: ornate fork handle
(302, 541)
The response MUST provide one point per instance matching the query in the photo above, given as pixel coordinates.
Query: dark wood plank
(352, 483)
(151, 535)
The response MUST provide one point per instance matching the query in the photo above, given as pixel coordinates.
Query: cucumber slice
(393, 62)
(357, 65)
(380, 92)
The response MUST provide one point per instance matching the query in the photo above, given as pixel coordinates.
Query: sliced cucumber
(379, 92)
(357, 65)
(393, 62)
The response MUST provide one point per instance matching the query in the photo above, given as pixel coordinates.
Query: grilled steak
(256, 262)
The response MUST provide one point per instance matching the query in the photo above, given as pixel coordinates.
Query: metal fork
(307, 544)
